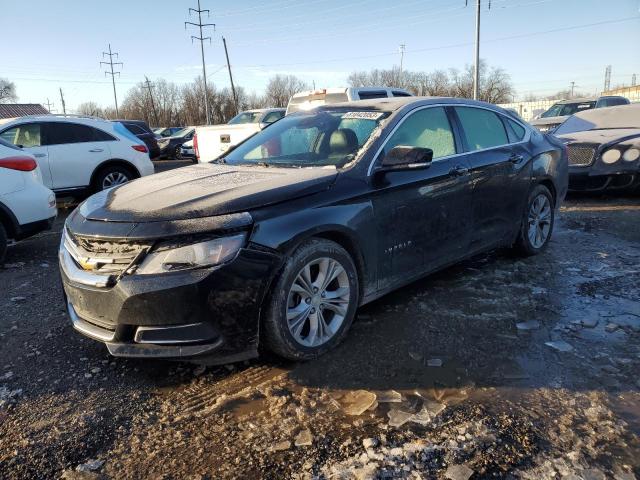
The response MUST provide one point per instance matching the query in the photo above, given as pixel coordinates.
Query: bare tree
(495, 84)
(281, 88)
(7, 91)
(90, 108)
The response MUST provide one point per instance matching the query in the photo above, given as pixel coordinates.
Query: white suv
(79, 154)
(314, 98)
(26, 205)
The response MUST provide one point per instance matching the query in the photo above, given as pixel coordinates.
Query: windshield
(246, 117)
(183, 132)
(564, 109)
(309, 139)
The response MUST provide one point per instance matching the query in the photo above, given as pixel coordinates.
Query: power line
(200, 11)
(113, 74)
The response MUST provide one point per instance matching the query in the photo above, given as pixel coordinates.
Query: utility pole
(153, 105)
(476, 68)
(573, 85)
(633, 80)
(233, 89)
(199, 11)
(607, 78)
(401, 50)
(113, 74)
(64, 108)
(49, 105)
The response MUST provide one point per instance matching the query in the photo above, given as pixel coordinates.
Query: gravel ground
(500, 367)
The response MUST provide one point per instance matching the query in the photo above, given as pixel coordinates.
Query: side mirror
(406, 158)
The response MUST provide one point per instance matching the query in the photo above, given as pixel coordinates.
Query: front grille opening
(580, 155)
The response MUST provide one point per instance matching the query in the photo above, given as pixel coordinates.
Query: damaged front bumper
(210, 314)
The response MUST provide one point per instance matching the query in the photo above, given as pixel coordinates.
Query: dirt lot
(497, 368)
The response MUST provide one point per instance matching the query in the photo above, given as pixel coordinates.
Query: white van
(314, 98)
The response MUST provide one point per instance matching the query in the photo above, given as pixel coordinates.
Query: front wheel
(177, 153)
(537, 222)
(3, 243)
(313, 302)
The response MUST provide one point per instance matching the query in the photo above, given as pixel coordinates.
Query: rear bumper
(30, 229)
(209, 313)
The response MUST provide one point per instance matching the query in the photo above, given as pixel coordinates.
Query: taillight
(140, 148)
(195, 146)
(24, 164)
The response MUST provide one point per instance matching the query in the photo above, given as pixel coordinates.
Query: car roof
(577, 100)
(55, 118)
(391, 104)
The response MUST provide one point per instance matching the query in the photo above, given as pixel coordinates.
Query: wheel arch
(8, 221)
(114, 162)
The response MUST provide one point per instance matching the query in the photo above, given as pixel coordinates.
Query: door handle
(96, 150)
(516, 158)
(458, 171)
(39, 155)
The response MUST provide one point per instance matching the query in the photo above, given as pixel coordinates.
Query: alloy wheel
(113, 179)
(539, 221)
(318, 302)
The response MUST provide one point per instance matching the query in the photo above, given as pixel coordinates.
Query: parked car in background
(212, 141)
(79, 154)
(170, 147)
(560, 111)
(187, 151)
(314, 98)
(166, 131)
(27, 207)
(604, 148)
(282, 239)
(141, 130)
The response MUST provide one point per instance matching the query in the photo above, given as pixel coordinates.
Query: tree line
(167, 103)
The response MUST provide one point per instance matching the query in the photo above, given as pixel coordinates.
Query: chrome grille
(581, 155)
(101, 256)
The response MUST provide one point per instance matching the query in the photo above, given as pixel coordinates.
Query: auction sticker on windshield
(363, 115)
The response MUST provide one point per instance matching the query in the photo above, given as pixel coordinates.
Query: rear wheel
(177, 153)
(537, 222)
(3, 243)
(112, 177)
(314, 301)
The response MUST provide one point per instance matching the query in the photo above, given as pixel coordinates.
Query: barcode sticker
(363, 115)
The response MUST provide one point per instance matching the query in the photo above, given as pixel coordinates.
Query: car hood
(204, 190)
(549, 120)
(601, 136)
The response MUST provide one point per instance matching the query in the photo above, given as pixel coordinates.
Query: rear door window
(518, 130)
(427, 128)
(26, 135)
(60, 133)
(482, 128)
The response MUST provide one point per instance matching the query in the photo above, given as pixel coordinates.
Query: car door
(28, 136)
(500, 174)
(422, 215)
(74, 154)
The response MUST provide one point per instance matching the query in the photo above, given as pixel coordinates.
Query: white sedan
(26, 205)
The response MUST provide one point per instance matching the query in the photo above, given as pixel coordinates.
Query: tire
(3, 243)
(288, 296)
(115, 173)
(177, 153)
(536, 228)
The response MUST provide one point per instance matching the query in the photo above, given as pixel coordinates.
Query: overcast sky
(543, 44)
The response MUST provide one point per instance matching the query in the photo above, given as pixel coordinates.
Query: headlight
(631, 154)
(204, 254)
(611, 156)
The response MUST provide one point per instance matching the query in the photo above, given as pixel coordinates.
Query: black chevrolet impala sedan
(277, 243)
